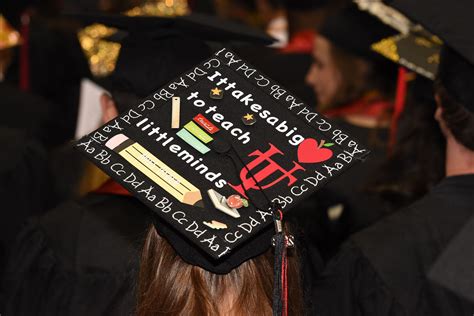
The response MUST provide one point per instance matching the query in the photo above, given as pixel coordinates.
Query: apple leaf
(328, 144)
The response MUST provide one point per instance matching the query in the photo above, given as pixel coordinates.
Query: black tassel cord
(280, 242)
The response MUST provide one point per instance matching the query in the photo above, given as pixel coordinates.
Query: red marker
(204, 123)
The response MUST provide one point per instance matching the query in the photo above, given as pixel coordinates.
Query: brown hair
(169, 286)
(417, 160)
(458, 119)
(362, 76)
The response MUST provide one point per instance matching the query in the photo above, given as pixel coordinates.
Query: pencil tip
(199, 203)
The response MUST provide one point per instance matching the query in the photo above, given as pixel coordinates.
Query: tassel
(281, 243)
(278, 304)
(398, 106)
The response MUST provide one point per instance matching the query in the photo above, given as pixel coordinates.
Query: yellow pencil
(155, 169)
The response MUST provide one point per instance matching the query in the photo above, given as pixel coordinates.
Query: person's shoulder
(81, 256)
(71, 212)
(437, 215)
(403, 221)
(402, 247)
(97, 230)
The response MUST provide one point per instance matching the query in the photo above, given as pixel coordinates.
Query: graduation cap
(211, 168)
(202, 26)
(417, 51)
(354, 30)
(414, 48)
(219, 154)
(155, 49)
(452, 22)
(9, 37)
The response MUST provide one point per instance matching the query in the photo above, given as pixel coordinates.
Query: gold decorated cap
(102, 42)
(414, 47)
(9, 37)
(102, 54)
(418, 51)
(159, 43)
(452, 22)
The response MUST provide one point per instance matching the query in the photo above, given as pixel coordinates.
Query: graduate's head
(336, 76)
(156, 50)
(309, 14)
(455, 97)
(454, 88)
(172, 286)
(344, 67)
(147, 63)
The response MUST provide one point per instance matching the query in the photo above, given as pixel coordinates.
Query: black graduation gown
(26, 111)
(56, 67)
(25, 185)
(78, 259)
(82, 259)
(383, 269)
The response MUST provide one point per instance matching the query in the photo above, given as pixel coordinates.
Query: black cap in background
(355, 31)
(453, 22)
(156, 49)
(148, 61)
(202, 26)
(415, 51)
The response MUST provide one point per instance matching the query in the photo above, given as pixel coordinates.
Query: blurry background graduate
(415, 162)
(49, 63)
(41, 65)
(396, 266)
(293, 55)
(25, 179)
(356, 88)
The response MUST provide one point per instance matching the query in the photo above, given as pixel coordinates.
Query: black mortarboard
(456, 73)
(156, 49)
(148, 61)
(414, 48)
(201, 26)
(355, 31)
(415, 51)
(210, 152)
(452, 22)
